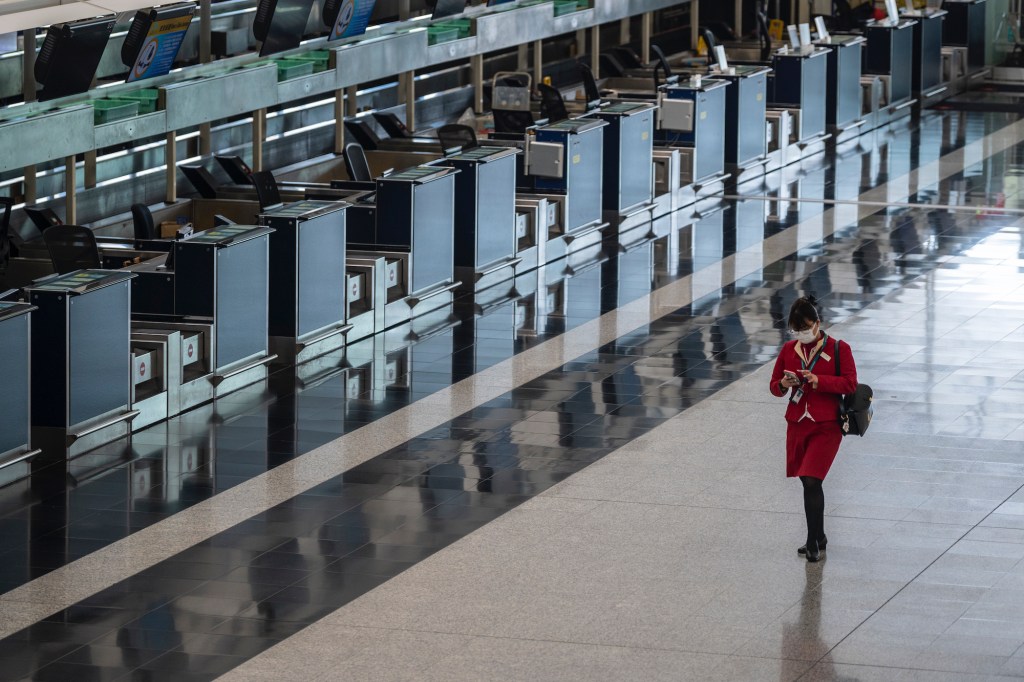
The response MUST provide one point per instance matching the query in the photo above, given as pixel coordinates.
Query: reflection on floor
(234, 595)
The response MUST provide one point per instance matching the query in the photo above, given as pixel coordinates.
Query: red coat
(811, 446)
(823, 402)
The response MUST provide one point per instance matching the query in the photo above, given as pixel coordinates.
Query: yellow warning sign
(702, 47)
(776, 28)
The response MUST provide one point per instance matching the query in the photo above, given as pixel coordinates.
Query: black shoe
(812, 552)
(821, 546)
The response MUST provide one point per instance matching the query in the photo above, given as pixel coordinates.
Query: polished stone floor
(585, 481)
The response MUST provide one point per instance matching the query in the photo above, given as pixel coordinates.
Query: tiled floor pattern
(674, 557)
(175, 466)
(868, 269)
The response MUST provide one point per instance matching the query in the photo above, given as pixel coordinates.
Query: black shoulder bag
(855, 410)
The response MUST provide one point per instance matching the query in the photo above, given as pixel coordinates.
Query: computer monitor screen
(280, 24)
(347, 18)
(152, 43)
(448, 8)
(69, 56)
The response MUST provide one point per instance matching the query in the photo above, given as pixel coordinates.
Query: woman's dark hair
(803, 309)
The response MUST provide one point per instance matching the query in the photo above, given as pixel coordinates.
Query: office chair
(356, 164)
(764, 35)
(456, 135)
(142, 222)
(236, 169)
(590, 89)
(661, 62)
(627, 57)
(552, 106)
(72, 247)
(266, 189)
(362, 133)
(5, 234)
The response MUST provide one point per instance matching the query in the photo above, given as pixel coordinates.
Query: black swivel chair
(552, 106)
(267, 191)
(590, 89)
(457, 136)
(356, 164)
(72, 247)
(142, 222)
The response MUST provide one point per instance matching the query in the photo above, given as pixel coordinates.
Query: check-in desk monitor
(280, 24)
(70, 54)
(347, 18)
(446, 8)
(154, 39)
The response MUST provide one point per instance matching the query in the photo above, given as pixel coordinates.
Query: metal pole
(28, 65)
(339, 121)
(408, 83)
(90, 169)
(70, 208)
(538, 61)
(403, 9)
(523, 62)
(30, 184)
(694, 25)
(646, 30)
(476, 67)
(171, 167)
(351, 100)
(738, 21)
(205, 56)
(595, 50)
(624, 33)
(259, 132)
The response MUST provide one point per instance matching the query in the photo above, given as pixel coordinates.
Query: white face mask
(807, 336)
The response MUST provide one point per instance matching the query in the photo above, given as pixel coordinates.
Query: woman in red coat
(806, 371)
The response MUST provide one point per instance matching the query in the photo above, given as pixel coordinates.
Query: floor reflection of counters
(16, 452)
(81, 381)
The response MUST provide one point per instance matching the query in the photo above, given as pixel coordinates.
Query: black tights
(814, 507)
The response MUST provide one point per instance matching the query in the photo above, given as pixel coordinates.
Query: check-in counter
(965, 27)
(890, 56)
(844, 108)
(693, 119)
(485, 216)
(81, 361)
(414, 230)
(628, 178)
(745, 113)
(566, 166)
(308, 280)
(16, 451)
(799, 83)
(927, 77)
(219, 285)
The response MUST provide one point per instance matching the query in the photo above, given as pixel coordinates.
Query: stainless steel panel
(307, 86)
(370, 60)
(43, 137)
(203, 99)
(120, 132)
(573, 21)
(455, 49)
(503, 30)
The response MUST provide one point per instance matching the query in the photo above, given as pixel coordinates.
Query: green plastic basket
(441, 34)
(569, 6)
(146, 97)
(109, 110)
(463, 26)
(293, 68)
(318, 58)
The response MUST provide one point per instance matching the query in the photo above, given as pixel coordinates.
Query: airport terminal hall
(512, 340)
